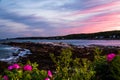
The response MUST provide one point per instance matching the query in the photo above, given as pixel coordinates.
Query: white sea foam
(9, 48)
(18, 52)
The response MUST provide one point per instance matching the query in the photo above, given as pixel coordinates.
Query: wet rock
(41, 51)
(15, 54)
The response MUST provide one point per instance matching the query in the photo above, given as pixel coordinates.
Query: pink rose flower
(28, 67)
(5, 77)
(10, 67)
(16, 66)
(49, 73)
(47, 78)
(110, 56)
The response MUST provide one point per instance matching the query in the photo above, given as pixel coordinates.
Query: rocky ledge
(41, 51)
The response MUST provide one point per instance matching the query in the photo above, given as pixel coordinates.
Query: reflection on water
(77, 42)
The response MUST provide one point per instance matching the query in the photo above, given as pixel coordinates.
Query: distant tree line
(99, 35)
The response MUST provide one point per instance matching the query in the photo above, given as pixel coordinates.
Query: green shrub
(72, 69)
(107, 67)
(24, 72)
(114, 67)
(63, 64)
(104, 67)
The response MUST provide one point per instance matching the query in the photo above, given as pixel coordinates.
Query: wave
(18, 52)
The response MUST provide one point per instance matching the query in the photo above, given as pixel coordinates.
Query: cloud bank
(57, 17)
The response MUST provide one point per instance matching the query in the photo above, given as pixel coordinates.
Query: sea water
(6, 53)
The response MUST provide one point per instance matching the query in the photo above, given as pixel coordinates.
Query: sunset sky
(21, 18)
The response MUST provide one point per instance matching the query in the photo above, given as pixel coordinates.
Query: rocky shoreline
(41, 51)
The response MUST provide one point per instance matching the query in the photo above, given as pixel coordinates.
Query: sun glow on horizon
(55, 17)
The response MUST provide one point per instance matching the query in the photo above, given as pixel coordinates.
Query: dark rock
(15, 54)
(41, 51)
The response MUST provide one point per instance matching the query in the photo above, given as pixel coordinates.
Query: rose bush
(26, 72)
(104, 67)
(107, 67)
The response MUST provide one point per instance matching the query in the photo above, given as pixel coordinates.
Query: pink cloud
(98, 23)
(109, 6)
(101, 18)
(102, 23)
(98, 10)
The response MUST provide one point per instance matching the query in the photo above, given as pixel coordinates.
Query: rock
(41, 51)
(15, 54)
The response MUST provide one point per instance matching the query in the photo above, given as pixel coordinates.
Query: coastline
(40, 52)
